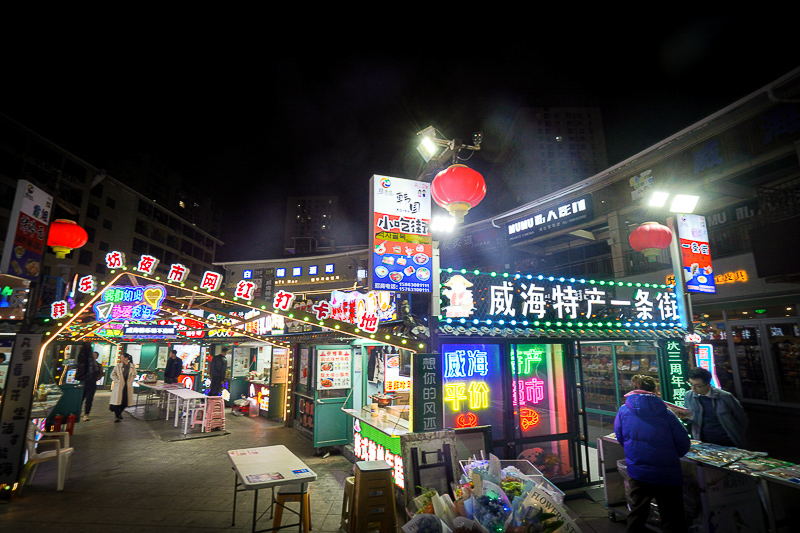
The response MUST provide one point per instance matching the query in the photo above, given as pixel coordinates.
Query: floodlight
(658, 199)
(427, 148)
(684, 203)
(442, 224)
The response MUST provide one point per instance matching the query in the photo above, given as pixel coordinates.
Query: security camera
(627, 343)
(477, 138)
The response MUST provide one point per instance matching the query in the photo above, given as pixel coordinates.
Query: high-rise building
(310, 224)
(117, 216)
(550, 148)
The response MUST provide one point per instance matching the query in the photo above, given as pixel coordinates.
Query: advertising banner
(693, 239)
(27, 231)
(401, 258)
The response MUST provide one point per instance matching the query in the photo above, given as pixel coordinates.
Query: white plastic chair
(62, 453)
(196, 407)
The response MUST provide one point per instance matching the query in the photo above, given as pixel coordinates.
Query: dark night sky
(255, 127)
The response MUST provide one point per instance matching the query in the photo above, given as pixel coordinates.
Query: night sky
(255, 127)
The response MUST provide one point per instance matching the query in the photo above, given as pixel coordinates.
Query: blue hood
(644, 405)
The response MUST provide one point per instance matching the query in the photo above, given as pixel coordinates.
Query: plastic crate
(530, 472)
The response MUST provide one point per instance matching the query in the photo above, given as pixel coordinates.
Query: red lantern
(65, 236)
(458, 188)
(650, 238)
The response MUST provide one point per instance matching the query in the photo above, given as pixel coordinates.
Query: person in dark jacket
(174, 368)
(88, 372)
(654, 441)
(216, 371)
(717, 416)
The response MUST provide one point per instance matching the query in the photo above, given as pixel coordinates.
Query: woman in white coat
(123, 377)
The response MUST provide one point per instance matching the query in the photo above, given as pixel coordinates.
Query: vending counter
(378, 438)
(723, 487)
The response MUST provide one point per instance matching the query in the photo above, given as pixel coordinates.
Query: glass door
(784, 349)
(746, 341)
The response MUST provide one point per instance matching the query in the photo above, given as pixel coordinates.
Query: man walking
(654, 440)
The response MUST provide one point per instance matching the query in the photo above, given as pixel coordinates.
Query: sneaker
(86, 418)
(116, 420)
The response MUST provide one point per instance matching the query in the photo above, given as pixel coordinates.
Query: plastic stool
(347, 503)
(291, 493)
(374, 498)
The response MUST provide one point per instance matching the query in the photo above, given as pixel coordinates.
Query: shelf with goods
(599, 377)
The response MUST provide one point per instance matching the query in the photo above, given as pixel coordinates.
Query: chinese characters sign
(370, 444)
(529, 386)
(693, 238)
(427, 414)
(480, 298)
(15, 410)
(27, 231)
(362, 310)
(333, 369)
(401, 258)
(704, 355)
(130, 303)
(675, 385)
(472, 391)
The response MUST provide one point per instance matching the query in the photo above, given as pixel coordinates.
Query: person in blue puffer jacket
(654, 441)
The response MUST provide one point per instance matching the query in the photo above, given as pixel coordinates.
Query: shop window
(107, 224)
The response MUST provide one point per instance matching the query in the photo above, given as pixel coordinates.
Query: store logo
(386, 183)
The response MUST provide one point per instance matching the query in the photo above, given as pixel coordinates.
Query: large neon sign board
(130, 303)
(472, 392)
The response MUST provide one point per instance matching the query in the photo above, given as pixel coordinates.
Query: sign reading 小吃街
(554, 218)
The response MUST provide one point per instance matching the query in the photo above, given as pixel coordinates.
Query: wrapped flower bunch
(491, 499)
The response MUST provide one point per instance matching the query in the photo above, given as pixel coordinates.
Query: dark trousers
(670, 506)
(170, 380)
(89, 388)
(216, 387)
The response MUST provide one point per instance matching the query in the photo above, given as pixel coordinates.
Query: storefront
(544, 361)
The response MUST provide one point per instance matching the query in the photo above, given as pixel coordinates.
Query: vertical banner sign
(675, 372)
(333, 369)
(426, 395)
(15, 411)
(704, 356)
(27, 232)
(401, 258)
(693, 239)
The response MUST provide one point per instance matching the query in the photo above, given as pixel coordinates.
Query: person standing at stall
(88, 372)
(216, 371)
(654, 441)
(716, 415)
(123, 376)
(174, 368)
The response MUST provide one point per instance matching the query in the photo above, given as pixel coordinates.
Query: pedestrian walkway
(133, 476)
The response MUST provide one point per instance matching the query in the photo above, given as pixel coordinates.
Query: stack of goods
(786, 473)
(757, 465)
(716, 455)
(491, 498)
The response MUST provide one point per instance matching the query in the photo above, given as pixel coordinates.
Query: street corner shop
(136, 311)
(545, 361)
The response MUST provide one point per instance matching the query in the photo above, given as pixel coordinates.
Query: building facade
(116, 216)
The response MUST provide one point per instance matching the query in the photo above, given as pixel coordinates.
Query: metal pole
(683, 297)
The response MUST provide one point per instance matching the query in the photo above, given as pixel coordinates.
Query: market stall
(522, 352)
(725, 489)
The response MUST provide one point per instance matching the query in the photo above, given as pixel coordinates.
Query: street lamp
(430, 145)
(681, 203)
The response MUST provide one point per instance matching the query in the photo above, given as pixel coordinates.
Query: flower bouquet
(491, 499)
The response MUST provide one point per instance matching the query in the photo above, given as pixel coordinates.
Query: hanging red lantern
(458, 189)
(65, 236)
(650, 238)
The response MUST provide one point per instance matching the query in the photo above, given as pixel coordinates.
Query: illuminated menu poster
(472, 389)
(401, 258)
(693, 238)
(333, 369)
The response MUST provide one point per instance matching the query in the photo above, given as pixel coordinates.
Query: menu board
(333, 369)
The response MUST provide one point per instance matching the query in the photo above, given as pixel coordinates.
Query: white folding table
(159, 388)
(268, 467)
(185, 400)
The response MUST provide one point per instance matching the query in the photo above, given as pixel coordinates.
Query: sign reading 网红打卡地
(402, 252)
(472, 297)
(696, 253)
(552, 219)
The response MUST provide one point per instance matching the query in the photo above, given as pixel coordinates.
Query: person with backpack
(88, 372)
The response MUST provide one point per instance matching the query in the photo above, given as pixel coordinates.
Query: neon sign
(472, 392)
(370, 444)
(676, 374)
(130, 303)
(528, 418)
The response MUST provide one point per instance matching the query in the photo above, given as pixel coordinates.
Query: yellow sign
(738, 276)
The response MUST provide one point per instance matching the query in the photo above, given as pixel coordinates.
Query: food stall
(520, 353)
